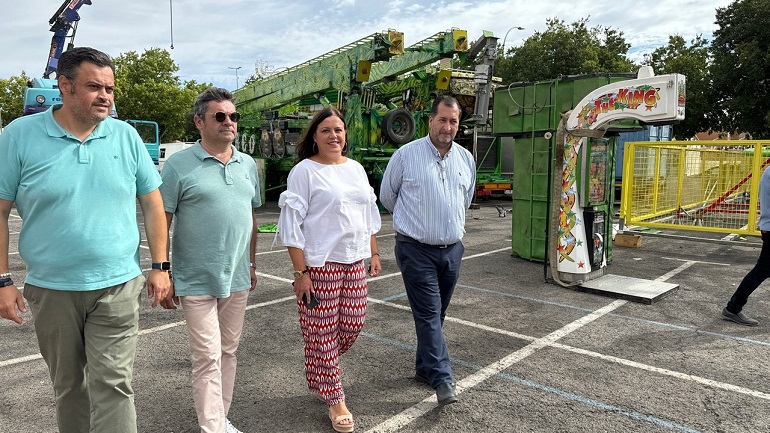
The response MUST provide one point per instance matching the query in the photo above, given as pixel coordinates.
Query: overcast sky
(210, 37)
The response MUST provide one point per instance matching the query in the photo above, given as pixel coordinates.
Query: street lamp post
(236, 74)
(506, 36)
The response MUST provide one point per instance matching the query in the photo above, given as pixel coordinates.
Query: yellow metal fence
(709, 186)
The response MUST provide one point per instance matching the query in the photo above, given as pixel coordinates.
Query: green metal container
(524, 108)
(526, 112)
(529, 209)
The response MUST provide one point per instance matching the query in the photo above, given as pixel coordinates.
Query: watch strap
(163, 266)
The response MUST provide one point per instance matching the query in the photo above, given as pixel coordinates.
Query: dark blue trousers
(430, 274)
(753, 279)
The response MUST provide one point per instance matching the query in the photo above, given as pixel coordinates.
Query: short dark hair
(447, 100)
(211, 94)
(305, 147)
(70, 61)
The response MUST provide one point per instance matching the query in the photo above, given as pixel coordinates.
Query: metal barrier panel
(708, 186)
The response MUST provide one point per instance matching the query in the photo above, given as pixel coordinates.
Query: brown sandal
(343, 423)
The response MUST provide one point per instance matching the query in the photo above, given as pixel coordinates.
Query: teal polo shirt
(77, 200)
(212, 205)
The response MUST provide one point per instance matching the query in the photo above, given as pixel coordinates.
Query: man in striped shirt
(427, 186)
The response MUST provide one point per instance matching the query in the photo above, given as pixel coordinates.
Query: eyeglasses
(220, 116)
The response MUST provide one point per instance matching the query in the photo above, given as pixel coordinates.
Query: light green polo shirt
(212, 205)
(77, 200)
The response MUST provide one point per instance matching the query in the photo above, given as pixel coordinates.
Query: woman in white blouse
(329, 218)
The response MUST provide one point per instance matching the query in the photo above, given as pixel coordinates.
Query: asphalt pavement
(528, 355)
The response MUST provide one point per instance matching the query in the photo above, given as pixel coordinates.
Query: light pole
(506, 36)
(236, 74)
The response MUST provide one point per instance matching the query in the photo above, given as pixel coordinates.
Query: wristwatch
(163, 266)
(299, 274)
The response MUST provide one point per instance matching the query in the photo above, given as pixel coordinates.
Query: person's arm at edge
(156, 229)
(393, 174)
(10, 296)
(374, 264)
(302, 286)
(171, 301)
(253, 250)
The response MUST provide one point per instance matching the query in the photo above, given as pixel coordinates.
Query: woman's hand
(374, 265)
(303, 287)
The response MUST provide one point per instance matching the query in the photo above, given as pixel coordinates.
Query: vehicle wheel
(398, 126)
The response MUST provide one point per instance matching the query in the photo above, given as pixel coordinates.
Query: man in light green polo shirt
(210, 191)
(75, 175)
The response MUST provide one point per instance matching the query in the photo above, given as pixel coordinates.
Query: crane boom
(65, 19)
(328, 71)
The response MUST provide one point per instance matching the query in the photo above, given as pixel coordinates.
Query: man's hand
(253, 273)
(10, 300)
(171, 301)
(158, 286)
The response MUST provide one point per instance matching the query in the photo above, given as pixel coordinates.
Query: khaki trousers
(214, 331)
(88, 340)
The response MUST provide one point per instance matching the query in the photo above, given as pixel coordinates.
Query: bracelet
(5, 275)
(376, 254)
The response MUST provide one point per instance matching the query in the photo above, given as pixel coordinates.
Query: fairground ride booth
(563, 199)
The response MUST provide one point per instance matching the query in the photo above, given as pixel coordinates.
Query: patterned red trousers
(330, 329)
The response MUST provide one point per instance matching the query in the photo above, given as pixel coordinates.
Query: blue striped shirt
(427, 194)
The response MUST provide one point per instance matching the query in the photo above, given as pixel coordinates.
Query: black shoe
(739, 318)
(445, 394)
(421, 377)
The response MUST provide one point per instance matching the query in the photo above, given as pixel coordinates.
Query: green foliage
(147, 88)
(741, 67)
(693, 62)
(565, 50)
(12, 97)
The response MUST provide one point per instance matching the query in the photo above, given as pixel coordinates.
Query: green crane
(383, 90)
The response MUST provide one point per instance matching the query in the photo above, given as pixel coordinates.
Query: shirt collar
(433, 149)
(198, 151)
(53, 128)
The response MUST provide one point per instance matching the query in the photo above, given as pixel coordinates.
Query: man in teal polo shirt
(75, 174)
(210, 191)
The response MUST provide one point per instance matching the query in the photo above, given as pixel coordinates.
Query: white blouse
(329, 211)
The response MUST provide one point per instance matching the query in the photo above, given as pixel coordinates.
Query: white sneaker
(230, 428)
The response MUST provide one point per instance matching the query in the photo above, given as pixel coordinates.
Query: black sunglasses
(220, 116)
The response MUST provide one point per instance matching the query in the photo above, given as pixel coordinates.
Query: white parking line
(407, 416)
(410, 414)
(404, 418)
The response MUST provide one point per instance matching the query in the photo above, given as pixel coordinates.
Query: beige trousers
(214, 331)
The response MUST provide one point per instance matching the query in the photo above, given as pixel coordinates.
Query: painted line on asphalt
(548, 389)
(579, 308)
(410, 414)
(23, 359)
(495, 368)
(666, 372)
(696, 261)
(407, 416)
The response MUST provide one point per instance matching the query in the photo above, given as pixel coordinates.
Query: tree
(693, 62)
(565, 50)
(147, 88)
(12, 97)
(741, 67)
